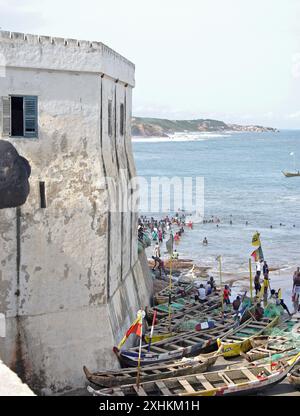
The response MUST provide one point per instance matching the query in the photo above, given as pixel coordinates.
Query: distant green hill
(146, 127)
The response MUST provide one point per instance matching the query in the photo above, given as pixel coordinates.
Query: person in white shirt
(202, 293)
(258, 268)
(157, 250)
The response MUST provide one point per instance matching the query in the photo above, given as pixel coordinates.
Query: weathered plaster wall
(78, 282)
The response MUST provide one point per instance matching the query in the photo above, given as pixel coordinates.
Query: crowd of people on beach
(160, 230)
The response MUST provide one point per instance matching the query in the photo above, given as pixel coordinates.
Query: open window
(20, 116)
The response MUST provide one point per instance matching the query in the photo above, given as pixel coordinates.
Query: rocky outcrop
(155, 127)
(14, 173)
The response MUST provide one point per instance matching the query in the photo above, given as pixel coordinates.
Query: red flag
(135, 329)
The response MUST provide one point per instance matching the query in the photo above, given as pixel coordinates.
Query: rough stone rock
(14, 173)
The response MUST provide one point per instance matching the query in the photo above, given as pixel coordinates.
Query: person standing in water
(205, 241)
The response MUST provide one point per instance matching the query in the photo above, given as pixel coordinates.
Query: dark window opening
(122, 119)
(42, 195)
(110, 118)
(17, 116)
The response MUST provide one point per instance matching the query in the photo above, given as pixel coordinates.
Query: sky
(232, 60)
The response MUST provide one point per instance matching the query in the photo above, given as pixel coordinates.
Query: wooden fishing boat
(240, 340)
(188, 308)
(187, 344)
(239, 381)
(199, 322)
(291, 174)
(177, 291)
(177, 368)
(294, 377)
(266, 346)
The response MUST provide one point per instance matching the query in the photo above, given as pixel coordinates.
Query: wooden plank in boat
(163, 388)
(205, 383)
(225, 378)
(139, 390)
(249, 374)
(186, 385)
(155, 348)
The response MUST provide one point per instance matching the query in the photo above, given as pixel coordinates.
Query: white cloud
(294, 116)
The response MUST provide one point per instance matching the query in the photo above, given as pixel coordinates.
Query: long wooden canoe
(240, 340)
(187, 344)
(243, 381)
(266, 346)
(178, 291)
(201, 322)
(182, 306)
(190, 311)
(193, 365)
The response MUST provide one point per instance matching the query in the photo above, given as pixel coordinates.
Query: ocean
(243, 181)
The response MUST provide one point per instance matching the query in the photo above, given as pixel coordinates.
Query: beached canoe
(177, 291)
(266, 346)
(239, 381)
(182, 306)
(177, 368)
(240, 340)
(200, 322)
(186, 344)
(294, 377)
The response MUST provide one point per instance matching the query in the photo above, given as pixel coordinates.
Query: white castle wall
(79, 281)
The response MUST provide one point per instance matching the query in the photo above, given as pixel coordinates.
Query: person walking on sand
(156, 250)
(226, 295)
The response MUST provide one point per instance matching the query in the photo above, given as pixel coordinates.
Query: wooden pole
(152, 329)
(251, 288)
(140, 353)
(221, 284)
(170, 295)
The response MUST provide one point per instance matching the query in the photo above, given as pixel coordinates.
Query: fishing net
(272, 310)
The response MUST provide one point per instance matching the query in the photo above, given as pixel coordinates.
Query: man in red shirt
(226, 295)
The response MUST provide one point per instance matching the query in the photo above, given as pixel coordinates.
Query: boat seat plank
(139, 390)
(249, 374)
(206, 384)
(163, 388)
(186, 385)
(157, 349)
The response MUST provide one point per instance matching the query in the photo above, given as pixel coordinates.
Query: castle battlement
(89, 56)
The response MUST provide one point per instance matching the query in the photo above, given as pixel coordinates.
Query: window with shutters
(19, 116)
(110, 118)
(122, 117)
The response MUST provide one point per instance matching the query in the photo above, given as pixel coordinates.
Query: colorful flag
(256, 240)
(257, 254)
(135, 328)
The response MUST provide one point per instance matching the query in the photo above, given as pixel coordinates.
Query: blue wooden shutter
(6, 117)
(30, 116)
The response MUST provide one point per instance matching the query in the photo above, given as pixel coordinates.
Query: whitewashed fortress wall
(71, 280)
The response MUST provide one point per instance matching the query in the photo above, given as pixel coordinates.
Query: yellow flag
(256, 240)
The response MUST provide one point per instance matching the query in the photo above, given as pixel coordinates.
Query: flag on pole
(257, 254)
(170, 244)
(135, 328)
